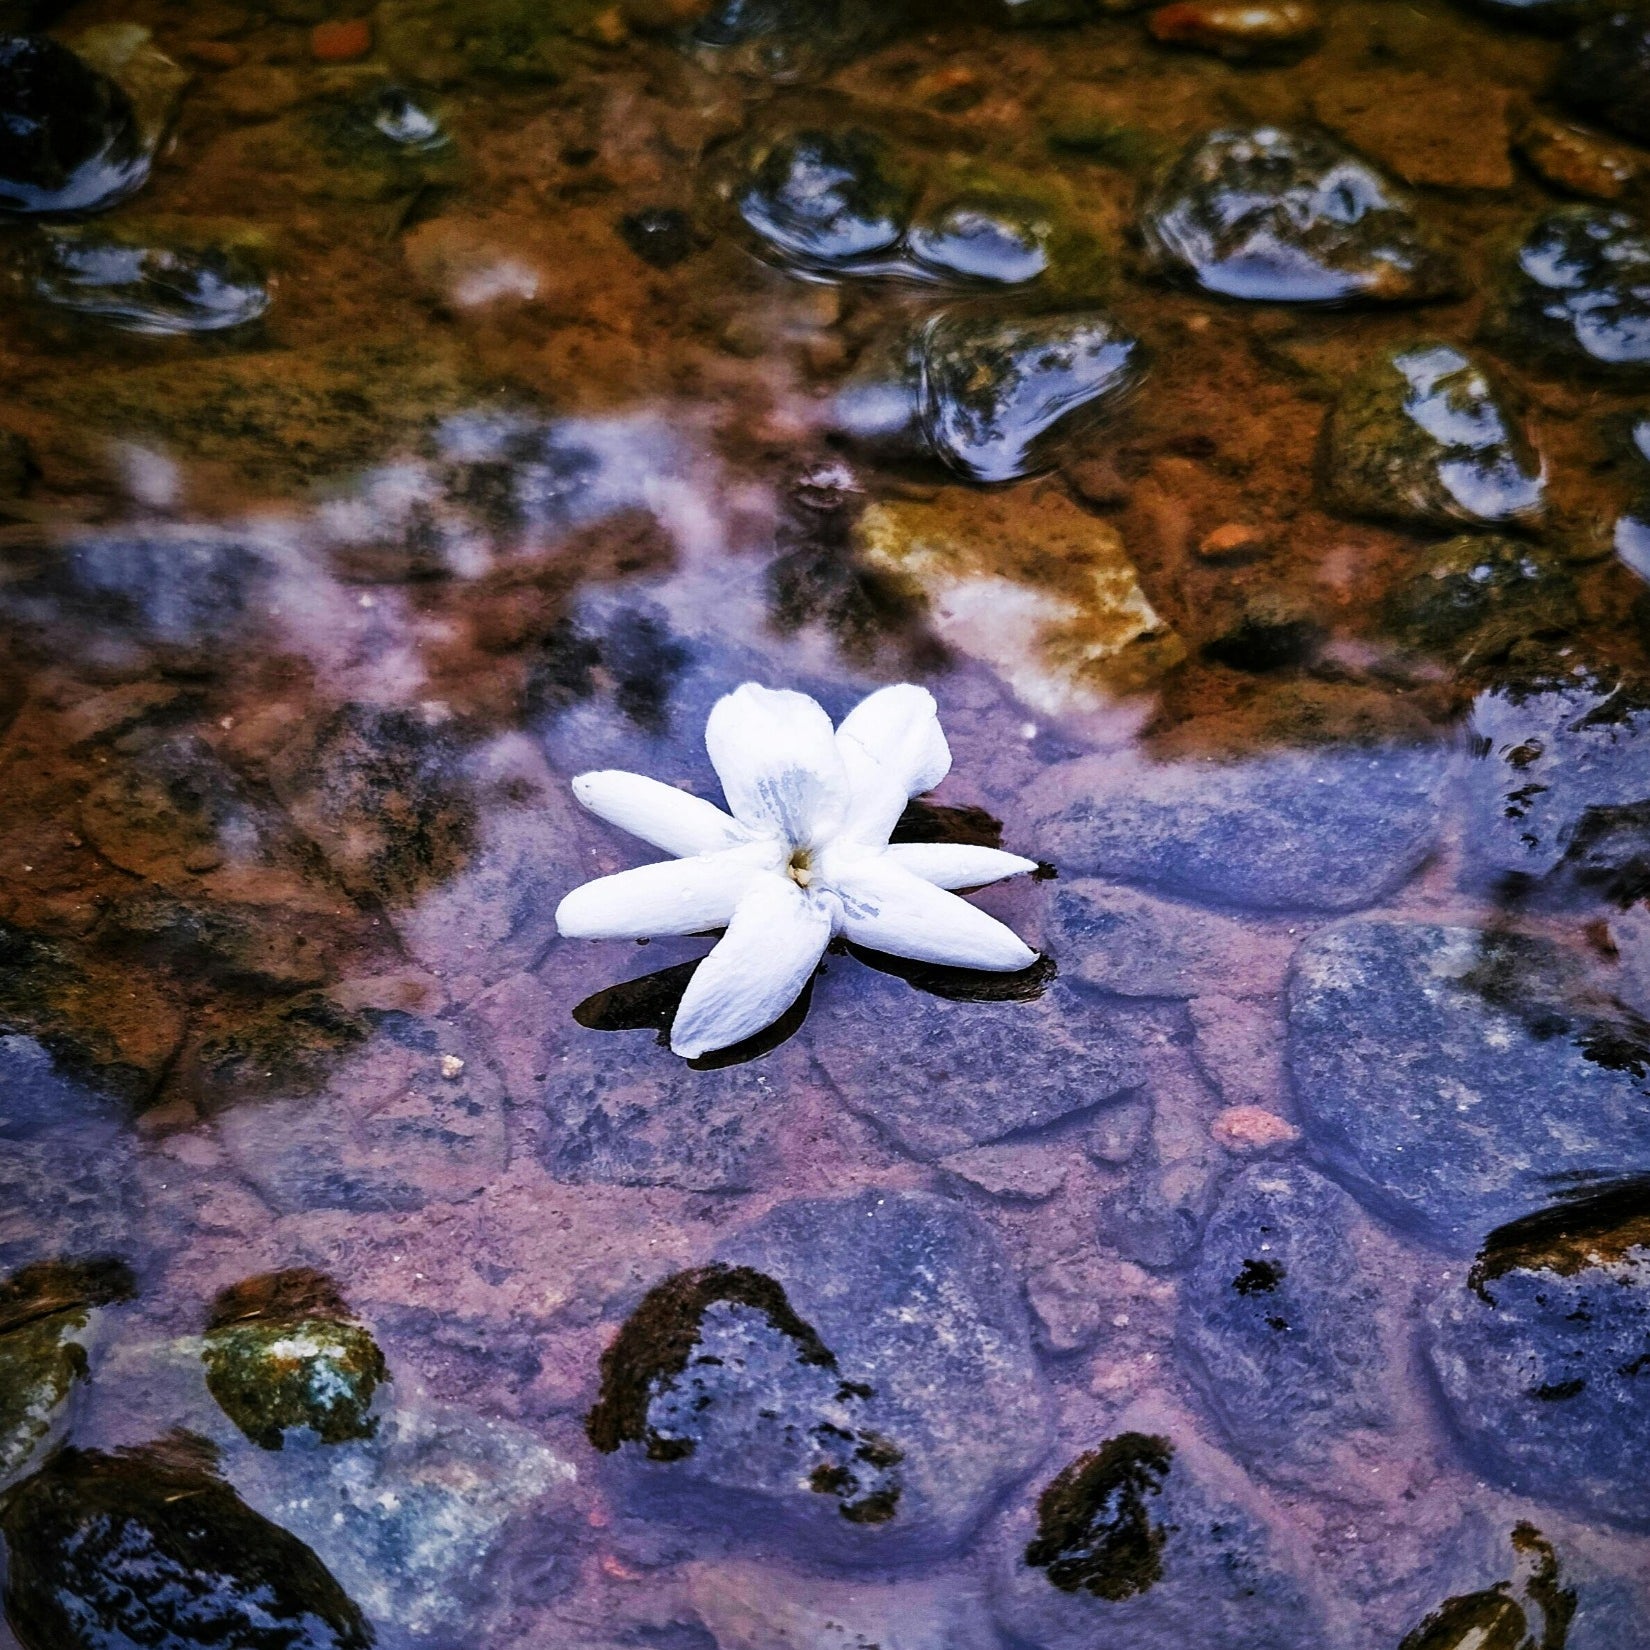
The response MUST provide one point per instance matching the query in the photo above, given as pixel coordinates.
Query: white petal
(756, 970)
(957, 864)
(778, 762)
(893, 749)
(677, 896)
(658, 813)
(890, 910)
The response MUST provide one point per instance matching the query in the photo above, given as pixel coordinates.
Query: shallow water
(467, 403)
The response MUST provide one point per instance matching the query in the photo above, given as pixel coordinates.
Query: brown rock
(1577, 161)
(343, 41)
(1269, 30)
(1232, 541)
(213, 54)
(1450, 135)
(260, 91)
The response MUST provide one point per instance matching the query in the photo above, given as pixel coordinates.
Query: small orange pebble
(342, 41)
(1252, 1129)
(1231, 540)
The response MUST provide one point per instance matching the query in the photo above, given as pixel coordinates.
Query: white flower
(803, 855)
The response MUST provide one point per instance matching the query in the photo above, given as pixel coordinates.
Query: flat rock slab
(1277, 1313)
(1311, 830)
(852, 1381)
(1455, 1079)
(940, 1075)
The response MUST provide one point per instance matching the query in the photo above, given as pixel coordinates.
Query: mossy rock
(442, 41)
(283, 1352)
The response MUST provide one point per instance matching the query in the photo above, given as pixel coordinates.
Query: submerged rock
(70, 141)
(1606, 71)
(1428, 433)
(284, 1352)
(997, 393)
(150, 1546)
(1147, 1539)
(126, 281)
(1576, 294)
(1576, 161)
(1319, 830)
(46, 1314)
(982, 237)
(1549, 16)
(1541, 1358)
(1291, 217)
(1278, 31)
(788, 40)
(1414, 1049)
(1279, 1317)
(853, 1379)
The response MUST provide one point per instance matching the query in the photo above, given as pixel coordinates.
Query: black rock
(1576, 294)
(149, 1546)
(1291, 217)
(69, 141)
(154, 290)
(1414, 1050)
(1542, 1357)
(658, 235)
(1547, 16)
(853, 1379)
(1279, 1317)
(997, 393)
(1429, 434)
(1606, 71)
(831, 201)
(1323, 830)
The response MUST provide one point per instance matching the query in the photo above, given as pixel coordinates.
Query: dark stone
(284, 1351)
(1558, 795)
(1325, 829)
(1280, 1319)
(1148, 1539)
(827, 200)
(972, 1071)
(1546, 16)
(69, 142)
(1415, 1049)
(1542, 1359)
(149, 1546)
(658, 235)
(125, 281)
(998, 393)
(1291, 217)
(1575, 294)
(876, 1389)
(1606, 72)
(788, 40)
(1429, 434)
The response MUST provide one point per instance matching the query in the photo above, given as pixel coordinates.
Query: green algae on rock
(1430, 434)
(46, 1312)
(283, 1351)
(150, 1546)
(1095, 1530)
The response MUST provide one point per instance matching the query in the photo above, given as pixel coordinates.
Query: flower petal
(957, 864)
(674, 820)
(778, 762)
(893, 749)
(756, 970)
(676, 896)
(890, 910)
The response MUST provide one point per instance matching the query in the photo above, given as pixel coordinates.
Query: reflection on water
(1235, 415)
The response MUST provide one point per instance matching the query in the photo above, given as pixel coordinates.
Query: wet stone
(1290, 217)
(1547, 16)
(1605, 72)
(46, 1315)
(1559, 791)
(852, 1379)
(658, 235)
(150, 1546)
(1144, 1539)
(381, 1111)
(997, 394)
(283, 1351)
(1279, 32)
(1576, 294)
(1279, 1318)
(828, 201)
(1477, 596)
(1430, 434)
(1316, 830)
(976, 1071)
(1541, 1357)
(1413, 1049)
(1578, 162)
(135, 284)
(71, 141)
(981, 237)
(789, 40)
